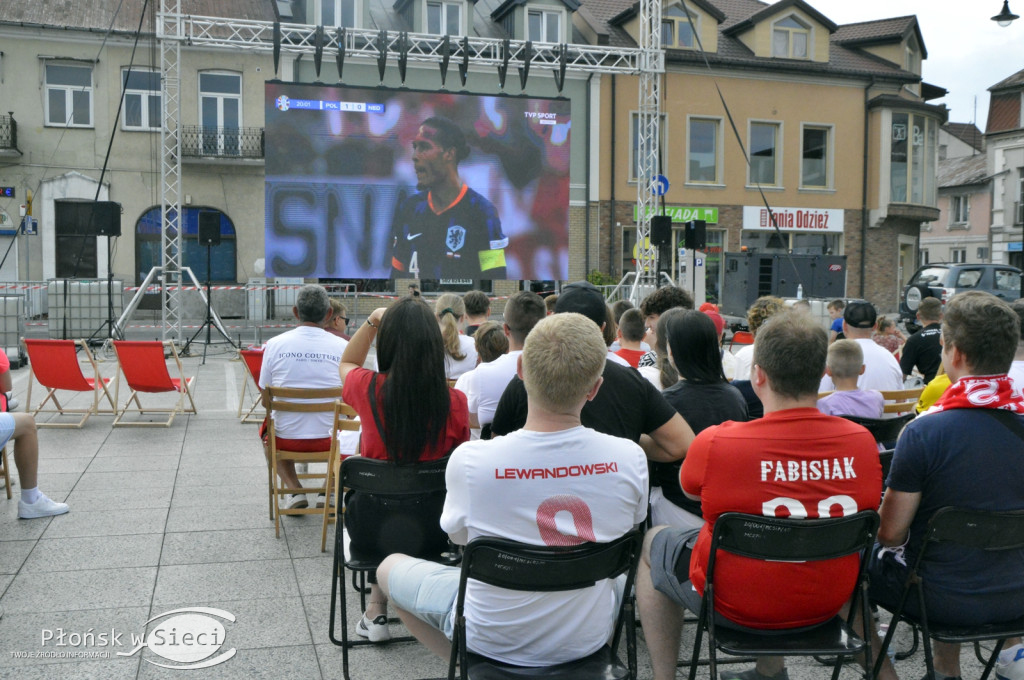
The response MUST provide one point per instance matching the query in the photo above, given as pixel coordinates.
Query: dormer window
(676, 30)
(791, 39)
(444, 18)
(337, 13)
(544, 26)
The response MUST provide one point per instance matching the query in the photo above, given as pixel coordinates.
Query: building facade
(1004, 139)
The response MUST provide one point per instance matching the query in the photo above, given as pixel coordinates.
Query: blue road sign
(659, 187)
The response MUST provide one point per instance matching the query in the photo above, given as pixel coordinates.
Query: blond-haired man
(513, 487)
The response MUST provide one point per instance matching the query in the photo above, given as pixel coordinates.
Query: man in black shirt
(922, 349)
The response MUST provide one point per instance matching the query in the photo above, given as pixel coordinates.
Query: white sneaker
(1010, 665)
(296, 501)
(13, 403)
(43, 507)
(321, 499)
(376, 630)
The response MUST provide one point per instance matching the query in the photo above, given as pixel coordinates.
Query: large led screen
(374, 183)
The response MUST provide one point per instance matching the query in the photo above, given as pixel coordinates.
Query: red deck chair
(145, 370)
(55, 365)
(252, 359)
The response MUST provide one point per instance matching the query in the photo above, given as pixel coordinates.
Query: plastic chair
(393, 482)
(4, 470)
(788, 540)
(970, 529)
(345, 420)
(55, 366)
(252, 359)
(297, 400)
(741, 338)
(902, 400)
(519, 566)
(145, 370)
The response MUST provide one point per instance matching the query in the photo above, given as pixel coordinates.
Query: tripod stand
(113, 331)
(208, 323)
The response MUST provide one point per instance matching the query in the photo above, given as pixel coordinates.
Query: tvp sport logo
(189, 638)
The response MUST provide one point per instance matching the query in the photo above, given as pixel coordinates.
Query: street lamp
(1006, 17)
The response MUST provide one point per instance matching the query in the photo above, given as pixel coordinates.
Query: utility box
(79, 307)
(12, 327)
(748, 276)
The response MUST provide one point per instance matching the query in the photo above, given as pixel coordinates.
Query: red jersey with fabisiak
(792, 463)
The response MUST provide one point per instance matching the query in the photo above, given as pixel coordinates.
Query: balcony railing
(8, 132)
(198, 141)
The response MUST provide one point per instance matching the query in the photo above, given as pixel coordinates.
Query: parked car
(943, 280)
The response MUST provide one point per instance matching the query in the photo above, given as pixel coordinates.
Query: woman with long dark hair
(408, 415)
(702, 396)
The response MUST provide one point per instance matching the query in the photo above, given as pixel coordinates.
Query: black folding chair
(397, 487)
(884, 430)
(974, 530)
(788, 540)
(518, 566)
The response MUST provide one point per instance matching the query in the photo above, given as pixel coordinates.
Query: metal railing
(198, 141)
(8, 132)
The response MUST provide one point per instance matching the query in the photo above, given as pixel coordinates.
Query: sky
(967, 51)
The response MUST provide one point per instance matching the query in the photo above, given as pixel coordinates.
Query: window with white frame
(508, 22)
(958, 255)
(924, 257)
(959, 209)
(634, 147)
(816, 157)
(220, 111)
(791, 38)
(337, 13)
(764, 153)
(141, 110)
(912, 154)
(702, 154)
(68, 94)
(676, 30)
(444, 18)
(544, 26)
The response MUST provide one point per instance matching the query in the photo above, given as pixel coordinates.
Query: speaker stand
(208, 323)
(112, 330)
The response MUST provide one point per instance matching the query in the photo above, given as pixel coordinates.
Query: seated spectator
(923, 350)
(702, 397)
(845, 365)
(728, 360)
(304, 357)
(656, 304)
(888, 335)
(760, 311)
(963, 451)
(1017, 367)
(662, 374)
(562, 363)
(802, 306)
(338, 323)
(619, 308)
(726, 473)
(630, 335)
(478, 310)
(881, 370)
(549, 303)
(459, 350)
(21, 427)
(408, 415)
(933, 391)
(835, 312)
(490, 343)
(610, 331)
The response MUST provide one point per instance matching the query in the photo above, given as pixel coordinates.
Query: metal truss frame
(175, 29)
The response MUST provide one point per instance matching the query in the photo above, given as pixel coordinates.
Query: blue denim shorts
(6, 428)
(426, 590)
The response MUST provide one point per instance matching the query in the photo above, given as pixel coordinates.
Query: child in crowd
(835, 312)
(844, 365)
(630, 335)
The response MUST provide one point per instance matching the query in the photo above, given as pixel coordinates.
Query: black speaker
(209, 228)
(695, 234)
(88, 218)
(661, 230)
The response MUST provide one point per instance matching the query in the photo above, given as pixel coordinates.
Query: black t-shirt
(701, 406)
(923, 350)
(626, 406)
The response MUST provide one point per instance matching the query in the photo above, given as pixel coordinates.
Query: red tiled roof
(1016, 80)
(1003, 113)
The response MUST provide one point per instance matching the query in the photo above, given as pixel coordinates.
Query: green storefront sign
(680, 213)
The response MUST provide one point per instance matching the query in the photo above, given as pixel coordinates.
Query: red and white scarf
(988, 391)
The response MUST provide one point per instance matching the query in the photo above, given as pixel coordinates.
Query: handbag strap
(1008, 419)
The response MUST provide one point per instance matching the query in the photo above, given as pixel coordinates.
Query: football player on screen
(446, 230)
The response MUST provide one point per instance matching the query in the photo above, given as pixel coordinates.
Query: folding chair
(54, 365)
(788, 540)
(145, 370)
(884, 430)
(901, 401)
(345, 420)
(252, 359)
(990, 531)
(297, 400)
(396, 485)
(4, 470)
(741, 338)
(519, 566)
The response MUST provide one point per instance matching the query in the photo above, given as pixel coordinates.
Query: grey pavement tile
(139, 478)
(24, 631)
(67, 449)
(175, 433)
(202, 583)
(107, 523)
(227, 494)
(255, 475)
(116, 500)
(65, 465)
(398, 661)
(13, 554)
(314, 574)
(140, 447)
(259, 623)
(304, 541)
(112, 669)
(132, 463)
(92, 589)
(253, 515)
(196, 547)
(95, 552)
(56, 483)
(14, 529)
(258, 664)
(222, 458)
(5, 581)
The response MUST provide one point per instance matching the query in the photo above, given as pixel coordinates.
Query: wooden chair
(345, 420)
(252, 359)
(55, 366)
(144, 367)
(4, 470)
(901, 401)
(287, 399)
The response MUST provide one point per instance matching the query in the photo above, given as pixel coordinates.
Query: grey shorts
(426, 590)
(670, 566)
